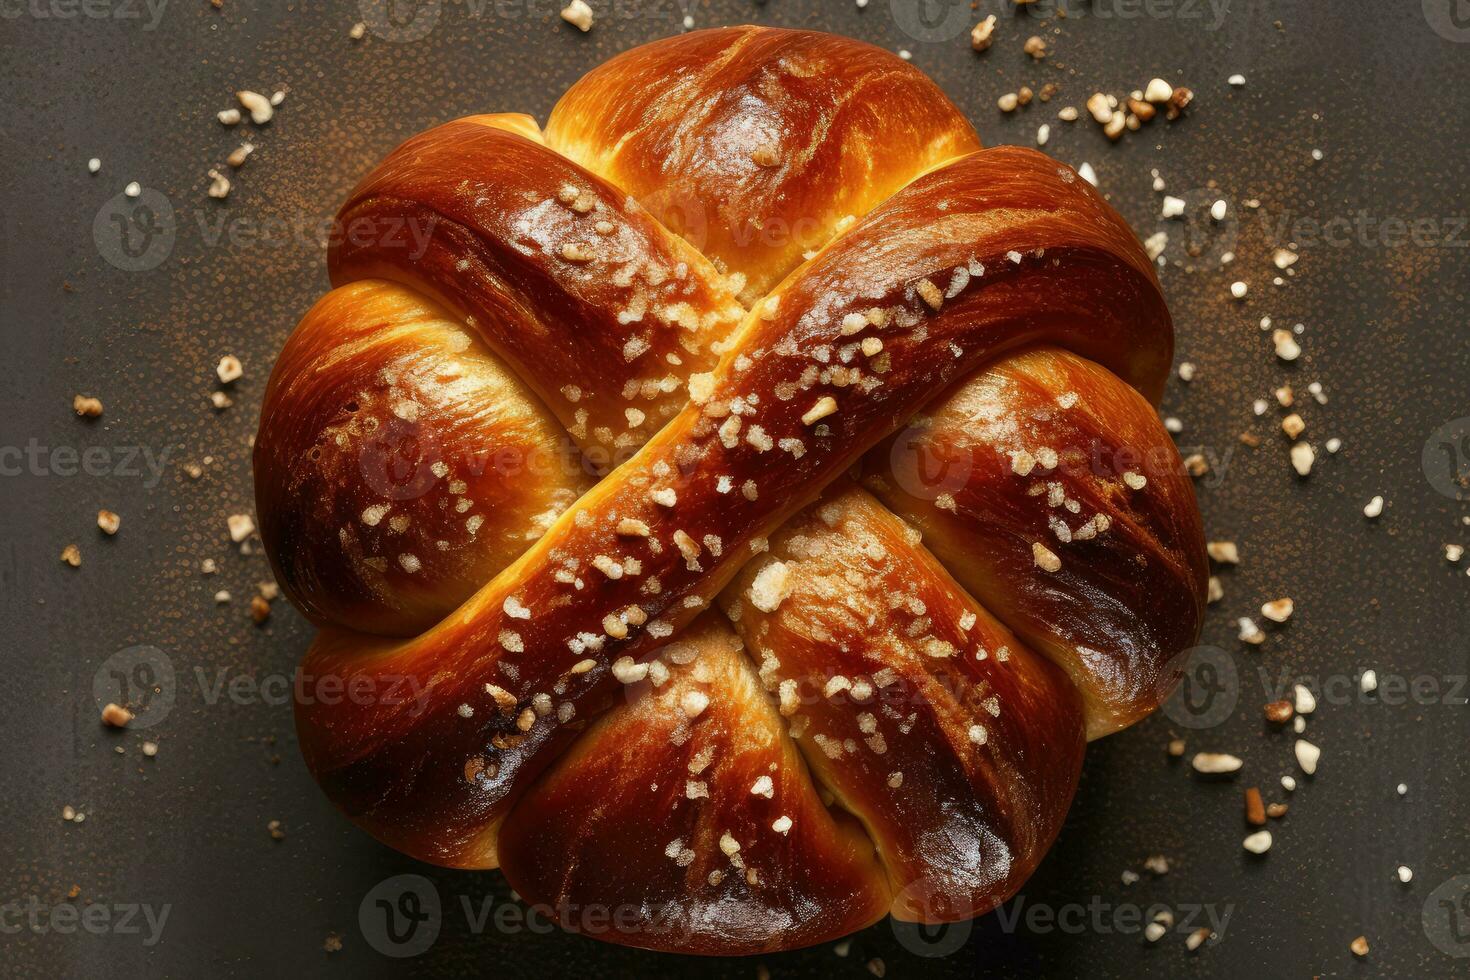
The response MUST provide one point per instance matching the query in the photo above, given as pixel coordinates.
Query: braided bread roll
(737, 513)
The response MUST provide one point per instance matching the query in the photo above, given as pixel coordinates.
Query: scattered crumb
(981, 35)
(116, 716)
(229, 369)
(578, 14)
(86, 406)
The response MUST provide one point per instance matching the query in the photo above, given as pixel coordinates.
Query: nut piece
(1035, 46)
(1304, 701)
(1250, 632)
(981, 33)
(1302, 458)
(229, 369)
(1215, 763)
(1359, 946)
(116, 715)
(260, 610)
(1224, 552)
(1255, 809)
(1258, 843)
(1278, 610)
(1158, 91)
(1279, 711)
(86, 406)
(1181, 98)
(1307, 756)
(1100, 107)
(108, 521)
(1286, 348)
(257, 105)
(1045, 558)
(241, 526)
(824, 406)
(72, 555)
(241, 153)
(578, 14)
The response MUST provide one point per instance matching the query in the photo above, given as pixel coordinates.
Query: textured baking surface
(1376, 90)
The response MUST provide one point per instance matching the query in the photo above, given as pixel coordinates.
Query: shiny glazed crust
(728, 591)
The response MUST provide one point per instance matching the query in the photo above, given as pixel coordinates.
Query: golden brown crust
(1095, 292)
(562, 274)
(1047, 449)
(686, 813)
(399, 463)
(467, 742)
(956, 746)
(756, 144)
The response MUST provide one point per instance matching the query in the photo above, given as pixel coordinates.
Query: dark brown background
(1380, 88)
